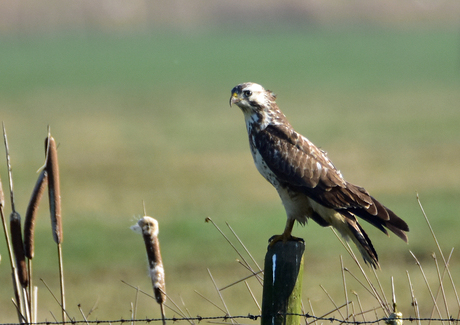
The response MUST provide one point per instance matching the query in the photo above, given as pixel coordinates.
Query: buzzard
(307, 182)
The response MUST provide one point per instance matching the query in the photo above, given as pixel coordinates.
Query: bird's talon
(276, 238)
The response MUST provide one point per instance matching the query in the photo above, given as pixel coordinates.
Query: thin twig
(228, 240)
(252, 295)
(441, 286)
(414, 300)
(240, 280)
(212, 303)
(360, 305)
(333, 302)
(440, 251)
(427, 284)
(55, 298)
(244, 247)
(220, 295)
(83, 314)
(344, 282)
(178, 311)
(14, 267)
(373, 291)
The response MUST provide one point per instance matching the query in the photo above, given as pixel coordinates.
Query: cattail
(148, 227)
(54, 192)
(18, 248)
(54, 195)
(31, 213)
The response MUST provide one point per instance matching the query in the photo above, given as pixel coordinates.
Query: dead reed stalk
(15, 244)
(29, 230)
(54, 193)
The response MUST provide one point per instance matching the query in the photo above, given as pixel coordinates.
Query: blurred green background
(136, 94)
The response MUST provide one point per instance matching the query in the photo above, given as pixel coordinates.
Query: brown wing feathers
(294, 161)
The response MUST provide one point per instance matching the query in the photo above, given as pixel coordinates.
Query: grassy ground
(146, 117)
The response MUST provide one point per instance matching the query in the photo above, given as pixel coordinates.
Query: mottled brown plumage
(306, 180)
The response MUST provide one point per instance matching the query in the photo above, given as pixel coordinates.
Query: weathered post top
(283, 283)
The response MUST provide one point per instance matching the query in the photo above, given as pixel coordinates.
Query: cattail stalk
(20, 298)
(54, 194)
(16, 286)
(148, 227)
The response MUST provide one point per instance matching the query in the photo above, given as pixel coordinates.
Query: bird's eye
(247, 93)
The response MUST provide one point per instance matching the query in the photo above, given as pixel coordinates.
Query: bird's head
(251, 96)
(257, 103)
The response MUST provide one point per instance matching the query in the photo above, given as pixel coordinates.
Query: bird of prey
(309, 185)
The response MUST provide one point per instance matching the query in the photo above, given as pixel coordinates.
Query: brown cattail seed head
(54, 192)
(18, 248)
(31, 214)
(148, 227)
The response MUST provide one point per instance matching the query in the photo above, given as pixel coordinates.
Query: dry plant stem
(372, 290)
(252, 295)
(360, 305)
(256, 274)
(22, 319)
(335, 309)
(12, 263)
(14, 270)
(132, 313)
(304, 312)
(441, 286)
(228, 240)
(345, 292)
(384, 299)
(10, 173)
(220, 295)
(446, 265)
(83, 314)
(244, 247)
(428, 286)
(54, 194)
(333, 302)
(312, 313)
(186, 309)
(238, 281)
(178, 311)
(212, 303)
(30, 286)
(61, 283)
(55, 298)
(353, 312)
(414, 300)
(34, 300)
(93, 308)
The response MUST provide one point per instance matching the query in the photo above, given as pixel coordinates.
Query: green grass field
(146, 117)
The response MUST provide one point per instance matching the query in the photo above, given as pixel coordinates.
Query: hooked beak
(234, 99)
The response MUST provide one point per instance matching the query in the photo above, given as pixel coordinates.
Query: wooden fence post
(283, 283)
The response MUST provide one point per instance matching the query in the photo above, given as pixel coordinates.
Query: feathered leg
(286, 235)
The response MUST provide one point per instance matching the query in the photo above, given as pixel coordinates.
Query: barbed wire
(248, 316)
